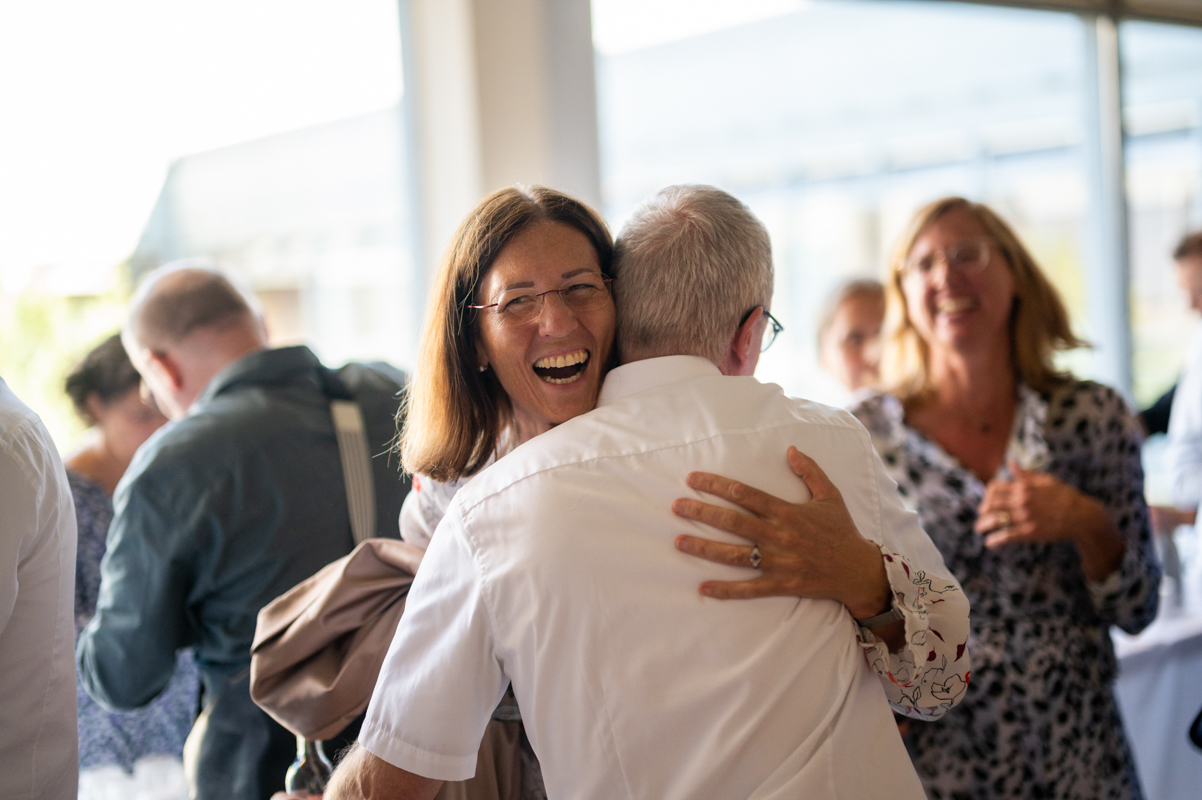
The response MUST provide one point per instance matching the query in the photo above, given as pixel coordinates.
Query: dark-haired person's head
(694, 269)
(1188, 258)
(518, 330)
(187, 322)
(104, 388)
(104, 375)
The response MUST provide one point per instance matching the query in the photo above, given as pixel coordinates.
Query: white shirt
(39, 739)
(554, 569)
(1184, 452)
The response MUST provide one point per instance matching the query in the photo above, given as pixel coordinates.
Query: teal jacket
(224, 510)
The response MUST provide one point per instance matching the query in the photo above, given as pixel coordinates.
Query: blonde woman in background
(1029, 482)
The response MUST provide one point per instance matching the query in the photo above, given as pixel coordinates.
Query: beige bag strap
(356, 467)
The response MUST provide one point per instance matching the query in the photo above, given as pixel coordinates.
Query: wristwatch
(892, 615)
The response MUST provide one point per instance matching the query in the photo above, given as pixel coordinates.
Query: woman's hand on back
(1038, 508)
(810, 549)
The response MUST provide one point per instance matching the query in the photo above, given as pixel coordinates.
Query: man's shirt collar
(262, 366)
(652, 373)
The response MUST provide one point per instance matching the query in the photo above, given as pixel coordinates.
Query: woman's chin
(563, 401)
(966, 334)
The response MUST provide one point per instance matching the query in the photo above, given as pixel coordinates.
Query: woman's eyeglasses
(967, 258)
(586, 293)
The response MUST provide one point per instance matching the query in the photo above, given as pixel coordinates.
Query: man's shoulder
(17, 420)
(377, 389)
(257, 419)
(24, 440)
(375, 379)
(718, 405)
(32, 479)
(675, 416)
(210, 439)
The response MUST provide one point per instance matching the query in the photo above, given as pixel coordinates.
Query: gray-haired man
(555, 570)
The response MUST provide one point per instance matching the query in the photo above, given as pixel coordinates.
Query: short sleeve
(441, 678)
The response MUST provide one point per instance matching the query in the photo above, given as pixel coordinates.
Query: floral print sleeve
(930, 674)
(1113, 474)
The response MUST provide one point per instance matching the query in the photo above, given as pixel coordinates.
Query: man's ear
(165, 367)
(95, 406)
(742, 354)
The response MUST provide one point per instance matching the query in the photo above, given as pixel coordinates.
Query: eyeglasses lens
(774, 330)
(967, 257)
(583, 295)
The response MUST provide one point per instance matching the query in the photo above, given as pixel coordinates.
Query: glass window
(835, 121)
(1162, 106)
(263, 134)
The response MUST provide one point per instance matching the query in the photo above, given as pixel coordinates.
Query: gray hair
(689, 265)
(183, 296)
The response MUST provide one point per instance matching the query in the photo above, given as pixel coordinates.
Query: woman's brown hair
(105, 373)
(453, 414)
(1039, 324)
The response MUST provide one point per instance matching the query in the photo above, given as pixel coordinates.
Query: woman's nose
(555, 318)
(939, 272)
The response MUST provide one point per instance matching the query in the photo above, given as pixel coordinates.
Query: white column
(498, 92)
(1107, 270)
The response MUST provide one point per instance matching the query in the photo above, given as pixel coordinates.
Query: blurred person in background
(104, 388)
(1184, 453)
(1030, 483)
(235, 502)
(39, 753)
(1155, 418)
(849, 334)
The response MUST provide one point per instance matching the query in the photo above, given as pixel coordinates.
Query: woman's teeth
(953, 304)
(579, 357)
(562, 369)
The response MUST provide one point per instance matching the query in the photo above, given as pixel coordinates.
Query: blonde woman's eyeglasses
(968, 257)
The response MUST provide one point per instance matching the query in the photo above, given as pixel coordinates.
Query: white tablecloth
(1159, 690)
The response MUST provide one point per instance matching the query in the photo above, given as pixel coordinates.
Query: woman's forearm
(1099, 545)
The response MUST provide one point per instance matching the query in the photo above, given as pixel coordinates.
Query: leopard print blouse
(1039, 719)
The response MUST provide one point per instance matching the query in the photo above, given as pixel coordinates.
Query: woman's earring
(482, 368)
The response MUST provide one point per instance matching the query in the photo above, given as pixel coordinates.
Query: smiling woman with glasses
(1029, 482)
